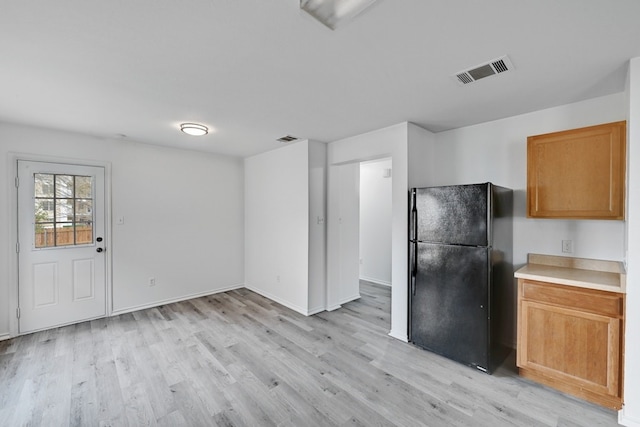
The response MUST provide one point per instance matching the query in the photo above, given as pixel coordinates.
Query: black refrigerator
(461, 272)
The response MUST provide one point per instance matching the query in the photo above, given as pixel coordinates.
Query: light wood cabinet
(577, 174)
(571, 339)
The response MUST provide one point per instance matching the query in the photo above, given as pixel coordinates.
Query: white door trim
(12, 170)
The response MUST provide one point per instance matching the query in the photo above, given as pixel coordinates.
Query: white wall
(630, 415)
(277, 225)
(348, 220)
(497, 152)
(317, 227)
(183, 217)
(421, 157)
(285, 225)
(375, 222)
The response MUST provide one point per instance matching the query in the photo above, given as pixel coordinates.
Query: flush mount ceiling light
(194, 129)
(334, 12)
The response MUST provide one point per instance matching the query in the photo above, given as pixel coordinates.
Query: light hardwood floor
(238, 359)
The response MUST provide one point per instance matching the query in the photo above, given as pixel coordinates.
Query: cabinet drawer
(593, 301)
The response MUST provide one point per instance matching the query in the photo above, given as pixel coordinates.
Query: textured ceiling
(256, 70)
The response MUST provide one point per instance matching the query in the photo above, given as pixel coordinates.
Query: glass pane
(64, 185)
(84, 234)
(84, 207)
(44, 210)
(64, 234)
(43, 184)
(84, 188)
(64, 210)
(44, 237)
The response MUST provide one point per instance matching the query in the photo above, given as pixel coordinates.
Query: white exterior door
(61, 231)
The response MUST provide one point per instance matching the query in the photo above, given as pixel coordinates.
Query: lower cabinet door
(576, 348)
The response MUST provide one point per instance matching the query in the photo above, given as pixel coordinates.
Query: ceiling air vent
(493, 67)
(287, 139)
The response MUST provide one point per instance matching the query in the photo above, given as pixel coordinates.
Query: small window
(63, 210)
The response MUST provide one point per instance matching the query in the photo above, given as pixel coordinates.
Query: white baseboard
(339, 305)
(376, 281)
(177, 299)
(398, 336)
(349, 299)
(4, 337)
(280, 301)
(316, 311)
(625, 420)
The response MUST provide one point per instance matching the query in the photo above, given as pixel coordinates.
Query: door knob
(99, 250)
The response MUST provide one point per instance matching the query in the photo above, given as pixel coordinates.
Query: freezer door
(455, 214)
(449, 305)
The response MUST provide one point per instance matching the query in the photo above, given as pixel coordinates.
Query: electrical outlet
(567, 246)
(152, 281)
(278, 278)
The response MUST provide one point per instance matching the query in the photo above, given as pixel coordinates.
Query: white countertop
(580, 272)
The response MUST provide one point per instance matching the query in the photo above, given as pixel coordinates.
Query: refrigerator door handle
(413, 266)
(413, 221)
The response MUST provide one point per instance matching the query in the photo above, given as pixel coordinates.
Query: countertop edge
(577, 263)
(579, 272)
(568, 282)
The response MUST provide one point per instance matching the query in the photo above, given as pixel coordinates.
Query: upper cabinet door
(577, 174)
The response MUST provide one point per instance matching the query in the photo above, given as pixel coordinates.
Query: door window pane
(44, 210)
(64, 234)
(84, 220)
(44, 185)
(84, 187)
(44, 235)
(63, 210)
(84, 234)
(64, 185)
(84, 208)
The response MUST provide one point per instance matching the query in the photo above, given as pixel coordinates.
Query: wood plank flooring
(238, 359)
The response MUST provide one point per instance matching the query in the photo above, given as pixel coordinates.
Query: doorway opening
(375, 209)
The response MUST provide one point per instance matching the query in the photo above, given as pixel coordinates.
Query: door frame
(12, 170)
(390, 142)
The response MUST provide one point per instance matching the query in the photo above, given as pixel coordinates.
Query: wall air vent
(287, 139)
(491, 68)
